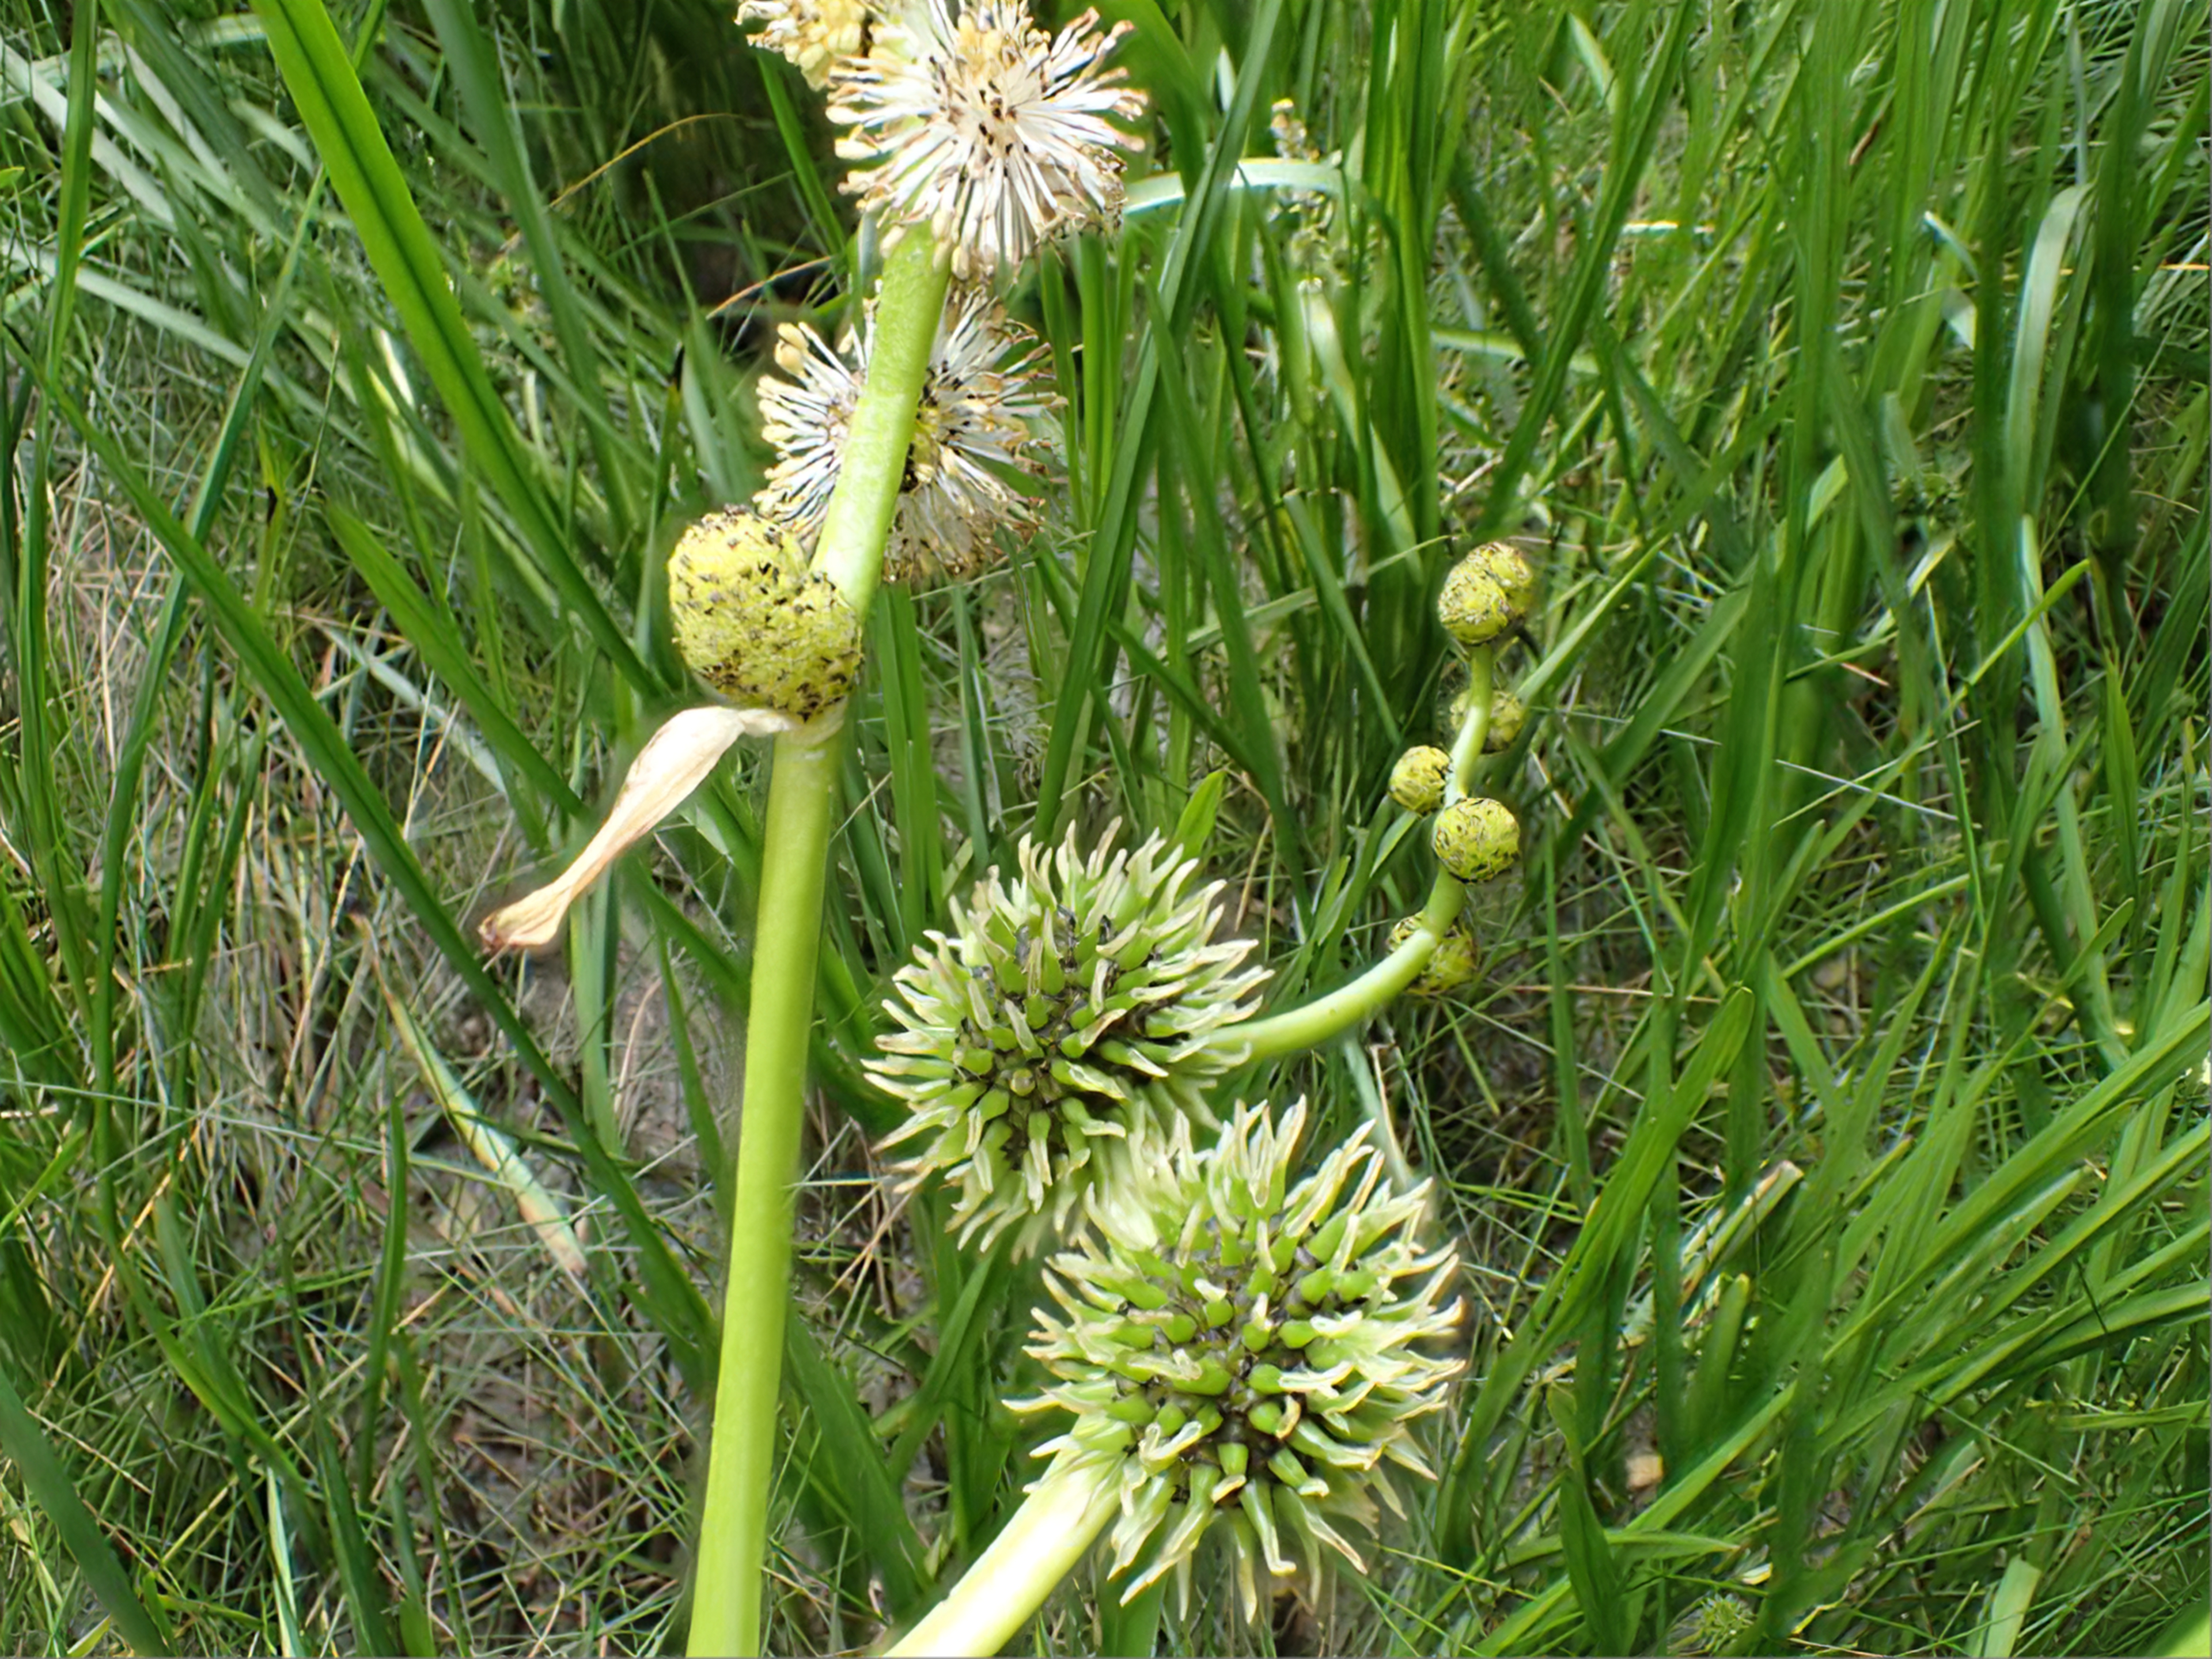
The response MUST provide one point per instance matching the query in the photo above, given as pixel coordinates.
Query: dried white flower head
(1242, 1355)
(812, 33)
(985, 387)
(985, 128)
(1065, 1017)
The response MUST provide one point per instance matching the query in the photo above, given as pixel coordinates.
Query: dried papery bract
(1069, 1015)
(754, 623)
(1242, 1355)
(981, 125)
(976, 424)
(675, 761)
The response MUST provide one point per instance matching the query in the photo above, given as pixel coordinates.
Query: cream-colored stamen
(674, 762)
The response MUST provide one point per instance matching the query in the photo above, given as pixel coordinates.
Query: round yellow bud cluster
(1449, 966)
(1416, 781)
(753, 622)
(1476, 840)
(1508, 715)
(1486, 594)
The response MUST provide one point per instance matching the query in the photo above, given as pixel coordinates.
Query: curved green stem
(726, 1607)
(1481, 686)
(1312, 1023)
(1048, 1535)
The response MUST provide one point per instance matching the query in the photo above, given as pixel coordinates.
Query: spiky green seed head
(1069, 1017)
(755, 622)
(1476, 840)
(1416, 781)
(1449, 966)
(1717, 1623)
(1485, 594)
(1243, 1356)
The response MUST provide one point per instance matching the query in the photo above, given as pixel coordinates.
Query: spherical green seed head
(1507, 713)
(1416, 781)
(754, 623)
(1476, 840)
(1449, 966)
(1241, 1355)
(1065, 1020)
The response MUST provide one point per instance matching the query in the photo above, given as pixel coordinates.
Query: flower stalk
(726, 1613)
(1052, 1531)
(1312, 1023)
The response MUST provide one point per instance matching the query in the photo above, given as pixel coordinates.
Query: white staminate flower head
(984, 390)
(985, 128)
(1242, 1354)
(812, 33)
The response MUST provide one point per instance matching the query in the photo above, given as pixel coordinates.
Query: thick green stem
(726, 1606)
(909, 305)
(1312, 1023)
(1048, 1535)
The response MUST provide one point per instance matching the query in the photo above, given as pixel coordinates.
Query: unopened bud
(1416, 781)
(1476, 840)
(1487, 593)
(753, 622)
(1449, 966)
(1507, 713)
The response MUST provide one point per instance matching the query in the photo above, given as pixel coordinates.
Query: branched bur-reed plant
(1238, 1353)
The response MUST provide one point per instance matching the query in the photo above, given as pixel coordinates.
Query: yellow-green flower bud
(1449, 966)
(1473, 608)
(1487, 593)
(1476, 840)
(1416, 781)
(1502, 562)
(755, 622)
(1507, 713)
